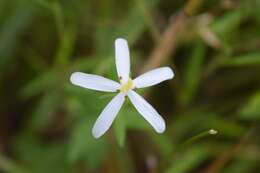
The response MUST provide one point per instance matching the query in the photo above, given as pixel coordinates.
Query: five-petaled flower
(125, 88)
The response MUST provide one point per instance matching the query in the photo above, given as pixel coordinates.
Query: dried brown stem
(167, 43)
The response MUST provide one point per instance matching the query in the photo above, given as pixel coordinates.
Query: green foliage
(193, 157)
(127, 120)
(39, 157)
(242, 60)
(40, 84)
(193, 73)
(45, 110)
(252, 109)
(46, 122)
(83, 146)
(15, 23)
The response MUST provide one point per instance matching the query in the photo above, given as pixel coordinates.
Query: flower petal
(147, 111)
(153, 77)
(108, 115)
(94, 82)
(122, 59)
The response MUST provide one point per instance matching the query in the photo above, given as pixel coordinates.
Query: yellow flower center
(127, 86)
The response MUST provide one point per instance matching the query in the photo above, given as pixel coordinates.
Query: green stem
(155, 33)
(199, 136)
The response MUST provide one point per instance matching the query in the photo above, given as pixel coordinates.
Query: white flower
(125, 88)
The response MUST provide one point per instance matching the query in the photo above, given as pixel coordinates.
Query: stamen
(127, 86)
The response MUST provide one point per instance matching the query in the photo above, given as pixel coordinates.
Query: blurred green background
(213, 47)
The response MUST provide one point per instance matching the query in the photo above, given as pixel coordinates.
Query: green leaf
(164, 143)
(89, 102)
(85, 63)
(228, 22)
(41, 83)
(45, 109)
(83, 146)
(66, 47)
(133, 119)
(12, 29)
(120, 128)
(135, 23)
(87, 106)
(252, 109)
(188, 160)
(128, 118)
(131, 26)
(246, 59)
(8, 166)
(41, 157)
(193, 72)
(239, 166)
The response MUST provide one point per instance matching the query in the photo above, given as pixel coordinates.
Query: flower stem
(199, 136)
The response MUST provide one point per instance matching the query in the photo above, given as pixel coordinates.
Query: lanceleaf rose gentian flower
(124, 88)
